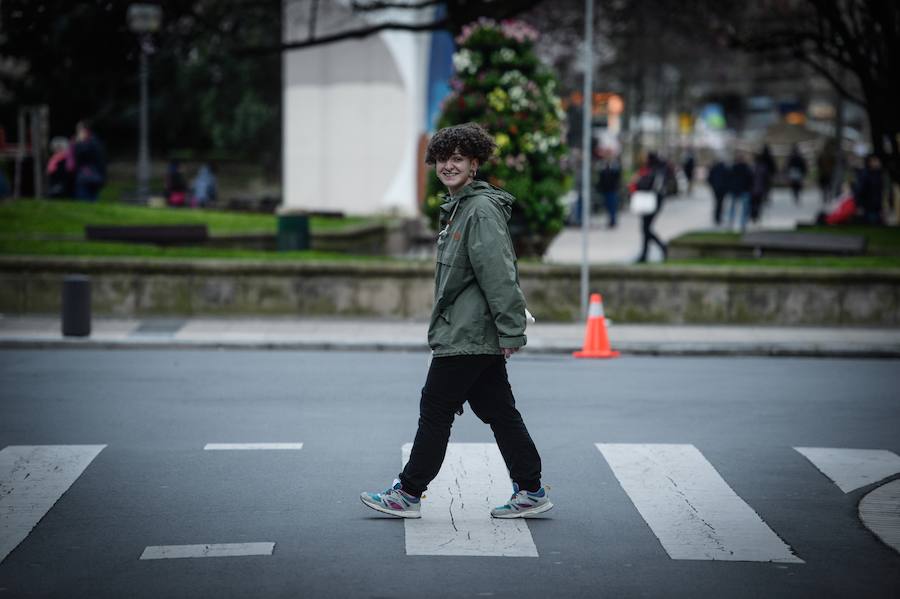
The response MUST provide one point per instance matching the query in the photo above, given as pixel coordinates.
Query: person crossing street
(477, 323)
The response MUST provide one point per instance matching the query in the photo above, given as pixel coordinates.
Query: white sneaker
(394, 501)
(524, 504)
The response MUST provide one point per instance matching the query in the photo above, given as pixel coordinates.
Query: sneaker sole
(390, 512)
(527, 514)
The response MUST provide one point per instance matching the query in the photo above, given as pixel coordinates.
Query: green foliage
(206, 94)
(501, 84)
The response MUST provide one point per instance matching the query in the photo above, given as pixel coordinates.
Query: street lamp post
(587, 106)
(144, 20)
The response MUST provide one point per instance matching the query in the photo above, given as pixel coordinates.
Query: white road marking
(880, 513)
(228, 446)
(689, 507)
(32, 479)
(213, 550)
(456, 512)
(851, 469)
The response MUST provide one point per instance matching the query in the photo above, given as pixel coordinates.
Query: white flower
(466, 62)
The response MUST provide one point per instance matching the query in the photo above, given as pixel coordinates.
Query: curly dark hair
(471, 139)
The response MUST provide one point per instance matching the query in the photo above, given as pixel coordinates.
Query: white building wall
(353, 115)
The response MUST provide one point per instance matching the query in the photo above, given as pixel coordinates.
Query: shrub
(501, 84)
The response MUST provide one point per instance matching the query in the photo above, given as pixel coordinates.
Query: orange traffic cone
(596, 341)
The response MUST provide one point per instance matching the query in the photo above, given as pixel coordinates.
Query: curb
(634, 349)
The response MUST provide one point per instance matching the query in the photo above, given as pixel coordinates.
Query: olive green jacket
(478, 305)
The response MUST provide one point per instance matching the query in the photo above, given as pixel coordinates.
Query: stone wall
(140, 287)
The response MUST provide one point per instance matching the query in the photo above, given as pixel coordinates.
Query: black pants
(482, 381)
(717, 209)
(649, 235)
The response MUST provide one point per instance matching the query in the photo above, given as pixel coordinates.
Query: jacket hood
(504, 200)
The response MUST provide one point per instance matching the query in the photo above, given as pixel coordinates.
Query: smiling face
(456, 171)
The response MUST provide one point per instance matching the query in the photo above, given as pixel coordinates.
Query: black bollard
(76, 306)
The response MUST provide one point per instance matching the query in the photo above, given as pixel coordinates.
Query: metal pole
(143, 166)
(586, 108)
(20, 156)
(37, 151)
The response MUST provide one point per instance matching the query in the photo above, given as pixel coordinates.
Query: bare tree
(401, 16)
(854, 44)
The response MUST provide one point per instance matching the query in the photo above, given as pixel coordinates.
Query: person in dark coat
(742, 181)
(90, 163)
(718, 178)
(825, 167)
(869, 190)
(688, 167)
(796, 170)
(608, 183)
(762, 171)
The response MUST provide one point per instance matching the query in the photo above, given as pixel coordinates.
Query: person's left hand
(508, 351)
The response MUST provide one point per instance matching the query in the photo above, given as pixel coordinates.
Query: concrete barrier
(662, 294)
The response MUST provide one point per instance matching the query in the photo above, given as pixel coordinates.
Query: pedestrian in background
(796, 170)
(825, 166)
(762, 171)
(688, 166)
(175, 185)
(718, 178)
(60, 169)
(656, 176)
(608, 183)
(869, 190)
(477, 323)
(90, 163)
(741, 186)
(203, 190)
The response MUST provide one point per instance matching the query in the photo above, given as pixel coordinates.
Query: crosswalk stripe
(851, 469)
(689, 507)
(880, 513)
(32, 479)
(211, 550)
(235, 446)
(456, 516)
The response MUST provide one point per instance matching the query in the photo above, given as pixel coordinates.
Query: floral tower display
(500, 83)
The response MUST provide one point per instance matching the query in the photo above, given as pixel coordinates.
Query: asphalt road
(153, 484)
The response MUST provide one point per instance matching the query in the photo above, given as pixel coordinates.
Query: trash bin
(76, 306)
(293, 231)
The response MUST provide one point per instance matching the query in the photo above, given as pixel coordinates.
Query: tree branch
(343, 35)
(828, 73)
(370, 6)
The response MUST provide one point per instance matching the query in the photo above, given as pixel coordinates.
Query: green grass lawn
(59, 217)
(139, 250)
(796, 262)
(28, 227)
(883, 249)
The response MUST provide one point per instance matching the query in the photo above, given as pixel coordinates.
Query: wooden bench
(798, 243)
(157, 234)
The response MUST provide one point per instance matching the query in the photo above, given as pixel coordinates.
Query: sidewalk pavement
(400, 335)
(679, 215)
